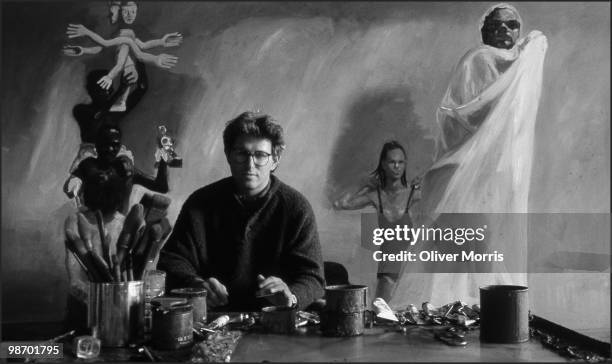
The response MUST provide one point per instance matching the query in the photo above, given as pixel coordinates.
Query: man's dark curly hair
(256, 125)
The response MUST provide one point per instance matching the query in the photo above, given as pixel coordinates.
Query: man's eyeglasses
(510, 24)
(259, 158)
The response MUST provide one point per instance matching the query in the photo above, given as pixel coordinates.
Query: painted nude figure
(388, 192)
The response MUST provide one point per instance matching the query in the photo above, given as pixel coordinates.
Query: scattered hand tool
(451, 337)
(147, 352)
(53, 340)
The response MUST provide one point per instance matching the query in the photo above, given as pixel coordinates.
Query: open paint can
(504, 314)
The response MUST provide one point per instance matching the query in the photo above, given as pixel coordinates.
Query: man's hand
(272, 285)
(216, 294)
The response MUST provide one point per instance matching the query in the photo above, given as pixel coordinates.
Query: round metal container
(344, 313)
(154, 286)
(172, 323)
(116, 312)
(279, 320)
(504, 314)
(346, 298)
(339, 324)
(197, 298)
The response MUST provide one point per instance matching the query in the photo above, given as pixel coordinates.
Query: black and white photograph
(305, 181)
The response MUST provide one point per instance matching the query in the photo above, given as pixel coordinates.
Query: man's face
(251, 163)
(502, 29)
(113, 11)
(128, 12)
(394, 164)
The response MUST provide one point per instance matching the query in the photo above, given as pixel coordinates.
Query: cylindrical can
(504, 314)
(155, 286)
(115, 312)
(342, 324)
(172, 323)
(279, 320)
(197, 298)
(344, 313)
(346, 298)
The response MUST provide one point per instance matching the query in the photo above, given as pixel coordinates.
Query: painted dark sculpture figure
(107, 179)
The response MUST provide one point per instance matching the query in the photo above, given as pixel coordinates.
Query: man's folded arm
(303, 262)
(180, 257)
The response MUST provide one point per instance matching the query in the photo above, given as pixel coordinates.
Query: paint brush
(100, 264)
(83, 254)
(116, 268)
(87, 233)
(155, 245)
(70, 246)
(155, 207)
(130, 268)
(134, 222)
(103, 239)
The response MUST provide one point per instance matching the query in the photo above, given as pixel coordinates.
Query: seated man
(249, 234)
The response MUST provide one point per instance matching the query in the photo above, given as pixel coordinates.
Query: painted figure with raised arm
(128, 46)
(388, 192)
(485, 148)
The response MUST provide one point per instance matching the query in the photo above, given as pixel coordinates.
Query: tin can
(342, 324)
(172, 323)
(346, 298)
(197, 298)
(116, 312)
(504, 314)
(345, 310)
(279, 320)
(155, 286)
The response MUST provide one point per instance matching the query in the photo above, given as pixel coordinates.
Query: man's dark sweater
(216, 235)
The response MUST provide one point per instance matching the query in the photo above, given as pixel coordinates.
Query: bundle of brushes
(137, 247)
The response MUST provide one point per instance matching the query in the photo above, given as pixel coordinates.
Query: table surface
(384, 344)
(378, 344)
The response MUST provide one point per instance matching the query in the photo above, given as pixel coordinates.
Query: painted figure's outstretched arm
(76, 51)
(169, 40)
(355, 201)
(162, 60)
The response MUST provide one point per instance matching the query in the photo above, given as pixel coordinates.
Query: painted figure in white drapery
(484, 148)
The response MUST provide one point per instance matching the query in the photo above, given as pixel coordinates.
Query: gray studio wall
(340, 77)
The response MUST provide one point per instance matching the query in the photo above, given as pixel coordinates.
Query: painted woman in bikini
(390, 195)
